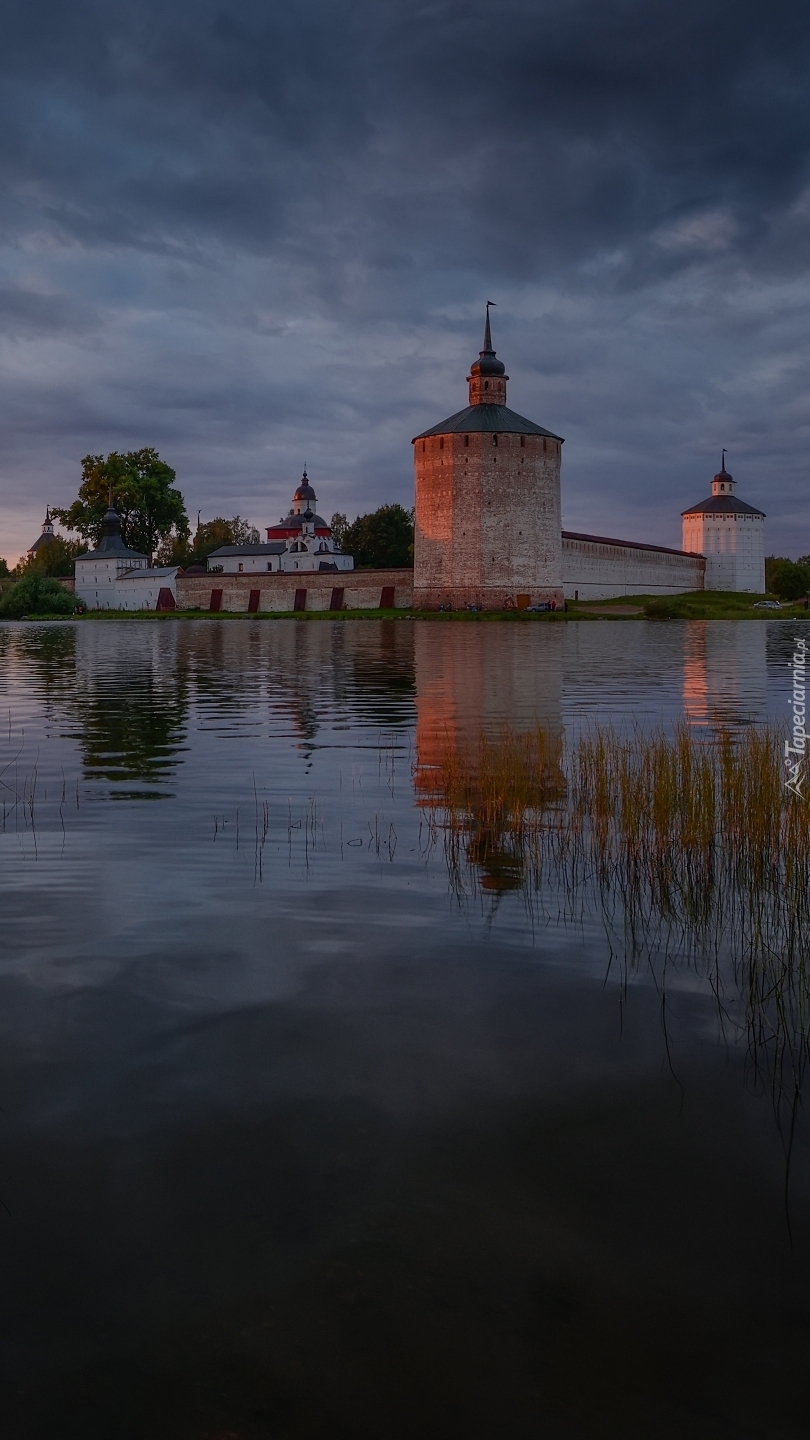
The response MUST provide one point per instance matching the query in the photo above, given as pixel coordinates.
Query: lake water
(300, 1138)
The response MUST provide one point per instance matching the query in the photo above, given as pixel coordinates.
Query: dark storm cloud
(236, 230)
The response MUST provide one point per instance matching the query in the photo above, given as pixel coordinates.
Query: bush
(36, 595)
(663, 609)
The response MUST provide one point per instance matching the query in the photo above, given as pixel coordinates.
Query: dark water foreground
(301, 1138)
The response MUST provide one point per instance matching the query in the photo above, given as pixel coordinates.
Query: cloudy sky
(258, 234)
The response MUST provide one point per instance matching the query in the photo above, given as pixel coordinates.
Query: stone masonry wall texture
(487, 490)
(362, 590)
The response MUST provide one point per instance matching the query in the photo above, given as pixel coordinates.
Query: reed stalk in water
(685, 846)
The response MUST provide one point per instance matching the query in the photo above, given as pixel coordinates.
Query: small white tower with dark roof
(47, 534)
(731, 534)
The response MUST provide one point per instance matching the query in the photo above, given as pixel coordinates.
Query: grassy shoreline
(693, 605)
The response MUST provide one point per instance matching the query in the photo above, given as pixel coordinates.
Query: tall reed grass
(685, 845)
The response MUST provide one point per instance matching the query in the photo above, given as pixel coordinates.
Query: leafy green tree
(180, 550)
(4, 570)
(54, 557)
(338, 525)
(36, 595)
(786, 578)
(382, 540)
(143, 493)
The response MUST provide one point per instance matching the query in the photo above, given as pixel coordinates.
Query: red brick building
(488, 525)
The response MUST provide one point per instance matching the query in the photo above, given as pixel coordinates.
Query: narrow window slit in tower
(441, 443)
(523, 442)
(466, 440)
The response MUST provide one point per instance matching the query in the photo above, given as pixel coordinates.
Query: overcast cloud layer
(259, 235)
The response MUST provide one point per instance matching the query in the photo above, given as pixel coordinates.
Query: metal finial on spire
(109, 496)
(723, 460)
(488, 350)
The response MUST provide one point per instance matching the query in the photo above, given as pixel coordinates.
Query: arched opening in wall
(467, 440)
(441, 442)
(423, 447)
(494, 439)
(486, 384)
(523, 442)
(544, 444)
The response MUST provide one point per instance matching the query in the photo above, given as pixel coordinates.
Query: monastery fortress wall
(354, 590)
(596, 568)
(487, 536)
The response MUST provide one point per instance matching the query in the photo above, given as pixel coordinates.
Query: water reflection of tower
(484, 694)
(724, 673)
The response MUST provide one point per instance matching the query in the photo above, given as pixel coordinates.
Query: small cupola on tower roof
(723, 483)
(47, 533)
(487, 378)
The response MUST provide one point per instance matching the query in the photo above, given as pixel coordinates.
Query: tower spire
(487, 377)
(488, 350)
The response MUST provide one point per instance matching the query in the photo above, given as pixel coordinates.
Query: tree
(338, 525)
(143, 493)
(786, 578)
(219, 531)
(180, 550)
(4, 570)
(382, 540)
(36, 595)
(55, 557)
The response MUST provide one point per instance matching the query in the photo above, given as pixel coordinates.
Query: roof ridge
(491, 419)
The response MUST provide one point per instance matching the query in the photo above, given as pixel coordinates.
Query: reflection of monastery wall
(474, 680)
(724, 673)
(595, 568)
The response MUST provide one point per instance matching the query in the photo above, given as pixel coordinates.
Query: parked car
(767, 605)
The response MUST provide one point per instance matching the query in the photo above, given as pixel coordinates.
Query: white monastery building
(731, 535)
(302, 541)
(113, 577)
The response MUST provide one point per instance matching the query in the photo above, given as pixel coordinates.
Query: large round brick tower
(488, 525)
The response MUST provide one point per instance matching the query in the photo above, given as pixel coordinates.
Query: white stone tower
(731, 534)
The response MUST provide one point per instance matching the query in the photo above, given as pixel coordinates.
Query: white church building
(302, 541)
(731, 535)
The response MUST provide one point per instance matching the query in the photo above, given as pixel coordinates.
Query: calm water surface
(297, 1140)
